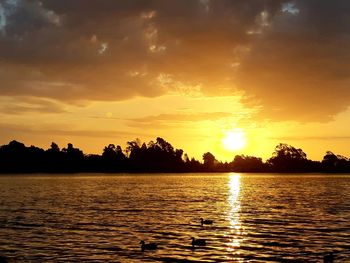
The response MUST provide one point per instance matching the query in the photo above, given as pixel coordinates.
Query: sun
(234, 140)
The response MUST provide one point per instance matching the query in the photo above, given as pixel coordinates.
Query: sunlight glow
(234, 140)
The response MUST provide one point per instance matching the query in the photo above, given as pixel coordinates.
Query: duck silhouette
(206, 222)
(328, 258)
(149, 246)
(198, 242)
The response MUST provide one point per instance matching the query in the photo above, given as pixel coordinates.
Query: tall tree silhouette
(113, 158)
(336, 163)
(73, 158)
(209, 161)
(287, 158)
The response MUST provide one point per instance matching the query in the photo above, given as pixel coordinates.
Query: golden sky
(229, 77)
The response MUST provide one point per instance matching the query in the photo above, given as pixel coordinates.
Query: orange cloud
(290, 58)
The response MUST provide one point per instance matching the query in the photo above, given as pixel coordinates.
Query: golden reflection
(235, 234)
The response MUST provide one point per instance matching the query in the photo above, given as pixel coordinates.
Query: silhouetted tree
(193, 165)
(335, 163)
(113, 158)
(156, 156)
(209, 161)
(287, 158)
(244, 163)
(113, 153)
(185, 158)
(73, 158)
(35, 158)
(133, 147)
(54, 148)
(54, 159)
(93, 163)
(16, 157)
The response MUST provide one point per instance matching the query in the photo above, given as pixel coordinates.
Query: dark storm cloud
(299, 69)
(294, 63)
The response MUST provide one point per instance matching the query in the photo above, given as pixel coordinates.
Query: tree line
(157, 156)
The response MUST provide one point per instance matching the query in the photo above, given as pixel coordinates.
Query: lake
(94, 218)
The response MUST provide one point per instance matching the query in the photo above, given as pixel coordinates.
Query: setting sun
(122, 121)
(234, 140)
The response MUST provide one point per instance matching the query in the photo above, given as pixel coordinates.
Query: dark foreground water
(257, 218)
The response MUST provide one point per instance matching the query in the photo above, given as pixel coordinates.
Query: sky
(225, 76)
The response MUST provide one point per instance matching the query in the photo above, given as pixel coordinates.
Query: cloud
(205, 116)
(289, 57)
(33, 16)
(172, 120)
(22, 105)
(11, 130)
(299, 69)
(113, 50)
(316, 138)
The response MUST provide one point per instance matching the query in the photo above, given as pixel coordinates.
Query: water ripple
(257, 218)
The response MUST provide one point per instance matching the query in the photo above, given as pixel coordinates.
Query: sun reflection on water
(235, 234)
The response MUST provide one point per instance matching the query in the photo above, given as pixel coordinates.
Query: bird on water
(149, 246)
(198, 242)
(206, 222)
(328, 258)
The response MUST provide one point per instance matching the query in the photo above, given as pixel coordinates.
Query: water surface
(257, 218)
